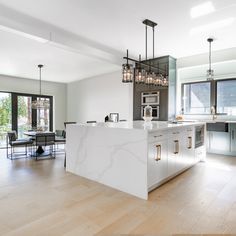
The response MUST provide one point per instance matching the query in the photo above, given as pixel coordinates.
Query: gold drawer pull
(175, 132)
(157, 136)
(189, 142)
(158, 154)
(176, 151)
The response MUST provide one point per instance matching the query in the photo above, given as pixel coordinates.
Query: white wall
(57, 90)
(96, 97)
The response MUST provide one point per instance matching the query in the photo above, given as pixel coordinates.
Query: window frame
(196, 82)
(213, 94)
(216, 81)
(14, 106)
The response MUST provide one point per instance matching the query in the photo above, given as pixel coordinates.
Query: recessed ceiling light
(202, 9)
(212, 26)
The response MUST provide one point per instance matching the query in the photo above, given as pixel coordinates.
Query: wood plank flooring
(40, 198)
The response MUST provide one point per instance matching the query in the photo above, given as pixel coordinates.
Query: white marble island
(130, 156)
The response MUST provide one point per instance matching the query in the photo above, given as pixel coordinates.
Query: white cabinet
(188, 146)
(233, 138)
(176, 159)
(170, 152)
(157, 162)
(218, 142)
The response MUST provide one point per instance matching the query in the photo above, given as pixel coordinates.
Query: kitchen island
(134, 157)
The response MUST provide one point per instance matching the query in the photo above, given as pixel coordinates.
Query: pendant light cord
(146, 41)
(40, 80)
(153, 48)
(210, 56)
(40, 68)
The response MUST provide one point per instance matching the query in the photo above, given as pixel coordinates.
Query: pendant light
(143, 76)
(127, 71)
(40, 103)
(139, 73)
(210, 72)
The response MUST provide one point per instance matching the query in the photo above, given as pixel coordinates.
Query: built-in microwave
(150, 98)
(199, 135)
(155, 111)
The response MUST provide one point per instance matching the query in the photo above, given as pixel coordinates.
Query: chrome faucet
(213, 112)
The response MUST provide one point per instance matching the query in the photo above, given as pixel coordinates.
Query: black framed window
(17, 114)
(196, 98)
(226, 96)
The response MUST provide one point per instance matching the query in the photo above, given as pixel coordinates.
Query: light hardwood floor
(40, 198)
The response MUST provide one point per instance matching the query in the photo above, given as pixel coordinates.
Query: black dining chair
(42, 141)
(14, 142)
(60, 139)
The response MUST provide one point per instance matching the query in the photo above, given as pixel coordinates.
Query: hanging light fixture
(127, 71)
(142, 76)
(210, 72)
(165, 82)
(40, 103)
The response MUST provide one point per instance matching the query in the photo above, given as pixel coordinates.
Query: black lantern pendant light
(143, 76)
(210, 72)
(40, 103)
(127, 71)
(140, 73)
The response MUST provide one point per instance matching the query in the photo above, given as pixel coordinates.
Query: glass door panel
(43, 117)
(5, 116)
(24, 115)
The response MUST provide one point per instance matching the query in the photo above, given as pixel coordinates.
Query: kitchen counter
(131, 156)
(141, 125)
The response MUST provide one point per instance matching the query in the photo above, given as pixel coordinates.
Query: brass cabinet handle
(175, 133)
(156, 136)
(189, 142)
(176, 151)
(158, 154)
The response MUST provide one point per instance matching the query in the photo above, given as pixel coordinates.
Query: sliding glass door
(24, 114)
(16, 113)
(5, 116)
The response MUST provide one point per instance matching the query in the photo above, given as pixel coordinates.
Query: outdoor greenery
(5, 111)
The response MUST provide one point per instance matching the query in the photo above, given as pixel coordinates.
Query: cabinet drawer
(155, 136)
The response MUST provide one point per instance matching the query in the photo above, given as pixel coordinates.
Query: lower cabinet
(170, 154)
(232, 138)
(218, 142)
(157, 161)
(175, 158)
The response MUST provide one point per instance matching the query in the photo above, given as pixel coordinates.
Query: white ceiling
(89, 37)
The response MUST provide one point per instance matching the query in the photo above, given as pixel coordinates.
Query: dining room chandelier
(145, 71)
(210, 72)
(40, 103)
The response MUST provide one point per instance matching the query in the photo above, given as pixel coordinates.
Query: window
(197, 98)
(226, 96)
(16, 114)
(5, 116)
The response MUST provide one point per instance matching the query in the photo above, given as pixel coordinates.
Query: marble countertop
(141, 125)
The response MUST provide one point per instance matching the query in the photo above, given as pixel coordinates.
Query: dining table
(32, 134)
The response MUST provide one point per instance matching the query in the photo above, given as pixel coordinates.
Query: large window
(226, 96)
(16, 114)
(5, 116)
(197, 98)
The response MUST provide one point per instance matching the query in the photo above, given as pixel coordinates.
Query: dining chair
(14, 142)
(45, 140)
(60, 139)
